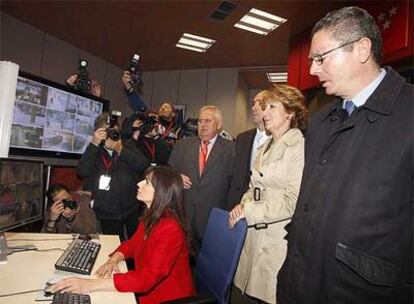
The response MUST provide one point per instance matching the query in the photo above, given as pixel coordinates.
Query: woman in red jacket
(159, 247)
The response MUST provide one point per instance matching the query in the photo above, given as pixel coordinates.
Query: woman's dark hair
(168, 199)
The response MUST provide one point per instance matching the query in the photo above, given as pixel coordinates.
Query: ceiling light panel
(259, 22)
(277, 77)
(195, 43)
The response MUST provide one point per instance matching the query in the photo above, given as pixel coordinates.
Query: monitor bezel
(40, 154)
(42, 187)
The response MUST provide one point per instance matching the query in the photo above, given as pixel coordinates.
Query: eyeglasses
(318, 59)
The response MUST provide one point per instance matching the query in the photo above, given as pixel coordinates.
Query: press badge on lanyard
(105, 179)
(104, 182)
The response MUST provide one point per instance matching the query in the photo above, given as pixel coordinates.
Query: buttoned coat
(351, 237)
(276, 176)
(211, 188)
(241, 172)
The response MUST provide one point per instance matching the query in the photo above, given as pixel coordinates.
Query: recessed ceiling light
(277, 77)
(194, 43)
(259, 22)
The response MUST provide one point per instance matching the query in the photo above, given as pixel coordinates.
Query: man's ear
(364, 47)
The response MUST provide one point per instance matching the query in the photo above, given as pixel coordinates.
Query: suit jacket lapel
(193, 156)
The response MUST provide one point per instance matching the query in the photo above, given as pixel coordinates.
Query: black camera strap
(264, 225)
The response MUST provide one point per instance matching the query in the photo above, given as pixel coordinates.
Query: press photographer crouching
(111, 170)
(69, 212)
(140, 132)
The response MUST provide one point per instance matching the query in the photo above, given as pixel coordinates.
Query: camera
(83, 83)
(113, 132)
(69, 204)
(136, 80)
(148, 122)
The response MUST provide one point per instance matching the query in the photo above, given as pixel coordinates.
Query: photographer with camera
(69, 212)
(140, 132)
(111, 171)
(81, 81)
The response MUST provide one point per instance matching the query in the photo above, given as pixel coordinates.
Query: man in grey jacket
(206, 165)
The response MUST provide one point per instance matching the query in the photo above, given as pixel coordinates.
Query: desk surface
(30, 270)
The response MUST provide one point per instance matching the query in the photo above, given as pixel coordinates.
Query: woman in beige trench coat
(271, 198)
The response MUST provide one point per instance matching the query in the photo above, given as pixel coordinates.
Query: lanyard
(167, 130)
(150, 148)
(107, 162)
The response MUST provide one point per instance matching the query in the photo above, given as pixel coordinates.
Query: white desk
(30, 270)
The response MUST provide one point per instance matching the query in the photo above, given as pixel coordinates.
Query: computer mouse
(52, 281)
(49, 283)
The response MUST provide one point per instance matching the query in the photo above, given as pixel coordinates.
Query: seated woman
(69, 212)
(271, 198)
(160, 247)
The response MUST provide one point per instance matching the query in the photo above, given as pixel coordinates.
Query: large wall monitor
(52, 120)
(21, 192)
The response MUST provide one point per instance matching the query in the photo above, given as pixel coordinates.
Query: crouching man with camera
(111, 171)
(69, 212)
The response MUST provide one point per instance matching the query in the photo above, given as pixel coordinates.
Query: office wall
(50, 57)
(243, 102)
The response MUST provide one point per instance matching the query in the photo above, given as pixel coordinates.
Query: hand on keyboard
(105, 271)
(74, 285)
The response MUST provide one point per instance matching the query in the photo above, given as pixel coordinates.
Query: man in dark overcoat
(351, 237)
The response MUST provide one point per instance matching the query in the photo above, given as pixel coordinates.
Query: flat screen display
(21, 192)
(51, 118)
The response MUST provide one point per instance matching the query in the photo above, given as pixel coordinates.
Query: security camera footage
(21, 194)
(47, 118)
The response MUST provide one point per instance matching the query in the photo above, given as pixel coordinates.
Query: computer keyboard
(79, 257)
(70, 298)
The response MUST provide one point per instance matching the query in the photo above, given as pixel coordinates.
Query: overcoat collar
(381, 101)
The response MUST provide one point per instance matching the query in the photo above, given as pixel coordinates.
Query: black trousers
(125, 227)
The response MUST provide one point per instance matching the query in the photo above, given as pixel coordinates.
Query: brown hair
(293, 101)
(168, 199)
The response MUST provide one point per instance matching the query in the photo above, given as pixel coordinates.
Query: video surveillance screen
(51, 119)
(21, 192)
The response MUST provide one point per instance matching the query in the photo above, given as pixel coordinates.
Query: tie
(202, 160)
(350, 107)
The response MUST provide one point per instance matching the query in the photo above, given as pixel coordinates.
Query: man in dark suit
(247, 145)
(206, 165)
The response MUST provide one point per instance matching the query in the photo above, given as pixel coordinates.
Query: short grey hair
(216, 110)
(352, 23)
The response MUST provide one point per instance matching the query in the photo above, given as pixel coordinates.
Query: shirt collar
(366, 92)
(212, 141)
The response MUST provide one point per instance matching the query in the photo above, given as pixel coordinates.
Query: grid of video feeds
(46, 118)
(21, 196)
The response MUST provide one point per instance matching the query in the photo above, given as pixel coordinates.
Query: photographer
(111, 171)
(69, 212)
(136, 102)
(140, 133)
(95, 87)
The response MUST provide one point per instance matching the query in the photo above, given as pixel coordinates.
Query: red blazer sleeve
(156, 259)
